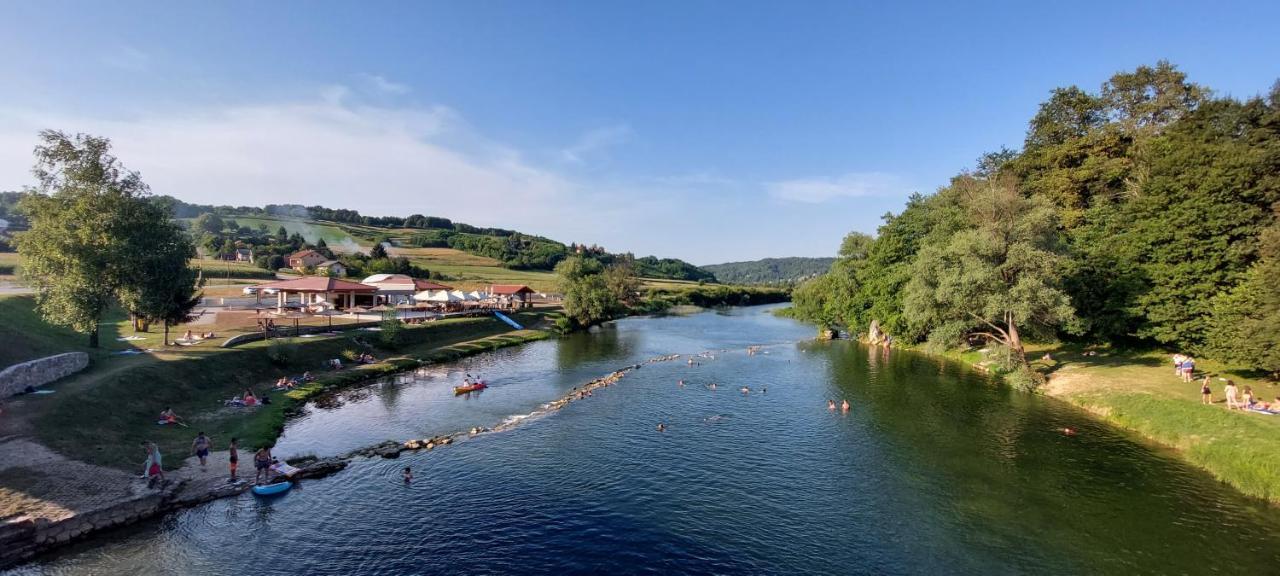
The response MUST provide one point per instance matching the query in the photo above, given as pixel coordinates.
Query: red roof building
(334, 292)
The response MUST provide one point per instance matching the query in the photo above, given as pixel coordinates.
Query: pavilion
(517, 294)
(311, 290)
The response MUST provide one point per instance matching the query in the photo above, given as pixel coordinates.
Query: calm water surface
(935, 470)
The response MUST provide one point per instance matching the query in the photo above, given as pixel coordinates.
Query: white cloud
(126, 58)
(382, 85)
(335, 150)
(851, 185)
(595, 140)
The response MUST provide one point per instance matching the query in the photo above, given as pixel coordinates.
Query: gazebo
(337, 293)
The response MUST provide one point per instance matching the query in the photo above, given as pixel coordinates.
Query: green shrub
(280, 352)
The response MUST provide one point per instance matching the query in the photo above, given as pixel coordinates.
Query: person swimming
(831, 404)
(662, 427)
(680, 383)
(712, 386)
(844, 406)
(744, 390)
(407, 474)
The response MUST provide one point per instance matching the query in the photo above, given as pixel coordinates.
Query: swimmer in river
(712, 386)
(831, 404)
(680, 383)
(662, 427)
(844, 406)
(745, 390)
(408, 475)
(764, 390)
(691, 361)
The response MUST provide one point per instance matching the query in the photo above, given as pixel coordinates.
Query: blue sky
(710, 131)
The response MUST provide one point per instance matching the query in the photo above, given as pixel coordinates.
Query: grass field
(8, 266)
(338, 239)
(1137, 390)
(100, 415)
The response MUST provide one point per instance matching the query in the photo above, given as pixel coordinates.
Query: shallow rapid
(935, 469)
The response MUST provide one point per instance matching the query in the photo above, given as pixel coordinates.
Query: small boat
(469, 388)
(273, 489)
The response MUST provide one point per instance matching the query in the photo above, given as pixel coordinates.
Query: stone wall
(39, 372)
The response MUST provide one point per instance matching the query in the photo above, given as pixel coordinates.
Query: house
(400, 288)
(306, 259)
(311, 290)
(331, 268)
(517, 294)
(240, 255)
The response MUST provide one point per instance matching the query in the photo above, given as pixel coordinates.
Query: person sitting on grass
(168, 417)
(307, 377)
(284, 383)
(335, 364)
(249, 398)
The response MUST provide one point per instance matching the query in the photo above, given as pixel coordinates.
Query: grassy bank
(100, 416)
(1139, 392)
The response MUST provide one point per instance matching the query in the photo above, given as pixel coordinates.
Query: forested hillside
(1141, 212)
(770, 270)
(513, 249)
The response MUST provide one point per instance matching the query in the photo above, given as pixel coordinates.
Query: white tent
(460, 295)
(437, 296)
(476, 295)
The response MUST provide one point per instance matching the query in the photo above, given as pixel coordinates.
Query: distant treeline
(513, 249)
(710, 296)
(770, 270)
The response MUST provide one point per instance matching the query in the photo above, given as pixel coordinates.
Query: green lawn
(1138, 391)
(101, 415)
(333, 234)
(8, 264)
(25, 336)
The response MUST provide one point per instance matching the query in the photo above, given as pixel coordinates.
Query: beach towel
(1262, 411)
(284, 469)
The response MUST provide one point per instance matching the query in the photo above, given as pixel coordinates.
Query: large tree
(1000, 277)
(588, 297)
(1246, 320)
(96, 238)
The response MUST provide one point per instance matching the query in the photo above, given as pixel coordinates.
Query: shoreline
(24, 538)
(45, 525)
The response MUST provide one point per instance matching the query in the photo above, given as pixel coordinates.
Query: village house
(306, 259)
(240, 255)
(332, 268)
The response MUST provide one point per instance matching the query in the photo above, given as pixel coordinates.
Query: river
(935, 470)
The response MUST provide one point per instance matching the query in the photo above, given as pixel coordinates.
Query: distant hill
(348, 231)
(770, 270)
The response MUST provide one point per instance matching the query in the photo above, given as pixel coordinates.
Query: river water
(934, 470)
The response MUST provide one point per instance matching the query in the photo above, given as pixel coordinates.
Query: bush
(392, 334)
(280, 352)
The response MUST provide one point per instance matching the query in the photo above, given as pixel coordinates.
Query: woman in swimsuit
(1206, 394)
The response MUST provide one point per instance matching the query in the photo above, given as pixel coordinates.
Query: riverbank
(73, 455)
(1137, 391)
(128, 500)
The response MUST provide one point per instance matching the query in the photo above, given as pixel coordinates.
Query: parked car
(269, 290)
(250, 290)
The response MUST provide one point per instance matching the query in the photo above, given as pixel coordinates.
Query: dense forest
(770, 270)
(1143, 213)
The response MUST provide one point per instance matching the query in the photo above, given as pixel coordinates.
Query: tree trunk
(93, 337)
(166, 332)
(1015, 340)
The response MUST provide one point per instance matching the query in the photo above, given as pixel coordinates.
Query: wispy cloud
(851, 185)
(337, 149)
(126, 58)
(382, 85)
(594, 141)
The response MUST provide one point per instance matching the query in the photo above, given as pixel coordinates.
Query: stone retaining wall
(23, 537)
(41, 371)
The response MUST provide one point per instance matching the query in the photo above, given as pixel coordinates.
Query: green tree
(378, 251)
(209, 223)
(998, 278)
(588, 299)
(79, 229)
(158, 284)
(1246, 321)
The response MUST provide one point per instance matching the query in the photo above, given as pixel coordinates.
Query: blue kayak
(272, 489)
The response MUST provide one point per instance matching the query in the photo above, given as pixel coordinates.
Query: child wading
(233, 457)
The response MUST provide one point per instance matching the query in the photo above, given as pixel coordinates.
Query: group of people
(287, 383)
(1238, 399)
(1184, 367)
(247, 399)
(189, 337)
(201, 446)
